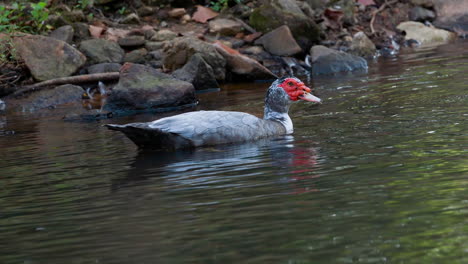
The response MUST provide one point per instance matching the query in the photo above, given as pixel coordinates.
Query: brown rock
(242, 65)
(280, 42)
(177, 12)
(224, 26)
(48, 58)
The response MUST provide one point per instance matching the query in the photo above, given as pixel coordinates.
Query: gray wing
(218, 127)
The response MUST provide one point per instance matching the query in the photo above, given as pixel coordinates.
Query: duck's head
(287, 90)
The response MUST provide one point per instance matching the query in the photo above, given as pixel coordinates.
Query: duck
(208, 128)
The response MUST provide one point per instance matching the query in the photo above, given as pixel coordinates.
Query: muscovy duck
(207, 128)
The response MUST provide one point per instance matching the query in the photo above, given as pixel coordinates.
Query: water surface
(377, 174)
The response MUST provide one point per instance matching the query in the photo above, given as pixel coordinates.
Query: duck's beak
(310, 97)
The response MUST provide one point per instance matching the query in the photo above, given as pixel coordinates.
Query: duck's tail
(146, 137)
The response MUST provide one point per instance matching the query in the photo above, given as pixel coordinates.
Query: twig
(107, 76)
(247, 27)
(380, 9)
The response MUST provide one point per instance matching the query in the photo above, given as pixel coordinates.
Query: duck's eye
(290, 83)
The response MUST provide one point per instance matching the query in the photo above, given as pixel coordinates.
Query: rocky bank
(158, 54)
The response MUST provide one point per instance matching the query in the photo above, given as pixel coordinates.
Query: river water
(376, 174)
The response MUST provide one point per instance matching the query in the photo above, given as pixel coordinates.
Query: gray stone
(425, 35)
(157, 54)
(279, 42)
(101, 50)
(145, 11)
(51, 98)
(136, 56)
(104, 67)
(180, 50)
(421, 14)
(163, 35)
(197, 72)
(423, 3)
(452, 15)
(132, 41)
(362, 46)
(142, 87)
(131, 19)
(226, 27)
(275, 13)
(81, 31)
(63, 33)
(48, 58)
(327, 61)
(154, 45)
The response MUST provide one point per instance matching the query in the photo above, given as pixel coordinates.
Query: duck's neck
(276, 109)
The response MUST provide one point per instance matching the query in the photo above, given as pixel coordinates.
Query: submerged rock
(142, 87)
(425, 35)
(51, 98)
(48, 58)
(327, 61)
(280, 42)
(101, 50)
(104, 67)
(197, 72)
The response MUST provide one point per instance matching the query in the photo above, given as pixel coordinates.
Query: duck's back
(201, 128)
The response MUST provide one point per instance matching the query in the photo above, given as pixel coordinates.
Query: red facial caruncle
(294, 88)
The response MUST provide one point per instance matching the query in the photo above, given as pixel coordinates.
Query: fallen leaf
(203, 14)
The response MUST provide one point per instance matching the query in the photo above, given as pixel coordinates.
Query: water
(377, 174)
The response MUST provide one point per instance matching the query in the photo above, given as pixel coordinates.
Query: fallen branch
(380, 9)
(107, 76)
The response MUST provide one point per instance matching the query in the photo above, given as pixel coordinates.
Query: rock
(203, 14)
(423, 3)
(51, 98)
(100, 50)
(149, 33)
(104, 67)
(63, 33)
(145, 11)
(452, 15)
(226, 27)
(279, 42)
(197, 72)
(142, 87)
(154, 45)
(157, 54)
(425, 35)
(48, 58)
(276, 13)
(131, 19)
(96, 31)
(73, 16)
(81, 31)
(362, 46)
(185, 19)
(252, 37)
(181, 49)
(136, 56)
(243, 66)
(163, 35)
(327, 61)
(56, 21)
(2, 106)
(421, 14)
(254, 50)
(177, 12)
(132, 41)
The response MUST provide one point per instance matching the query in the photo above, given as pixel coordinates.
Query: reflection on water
(378, 173)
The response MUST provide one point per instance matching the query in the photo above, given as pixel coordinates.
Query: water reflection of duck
(204, 128)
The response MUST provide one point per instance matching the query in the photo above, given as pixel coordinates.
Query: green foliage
(122, 10)
(219, 5)
(24, 17)
(84, 4)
